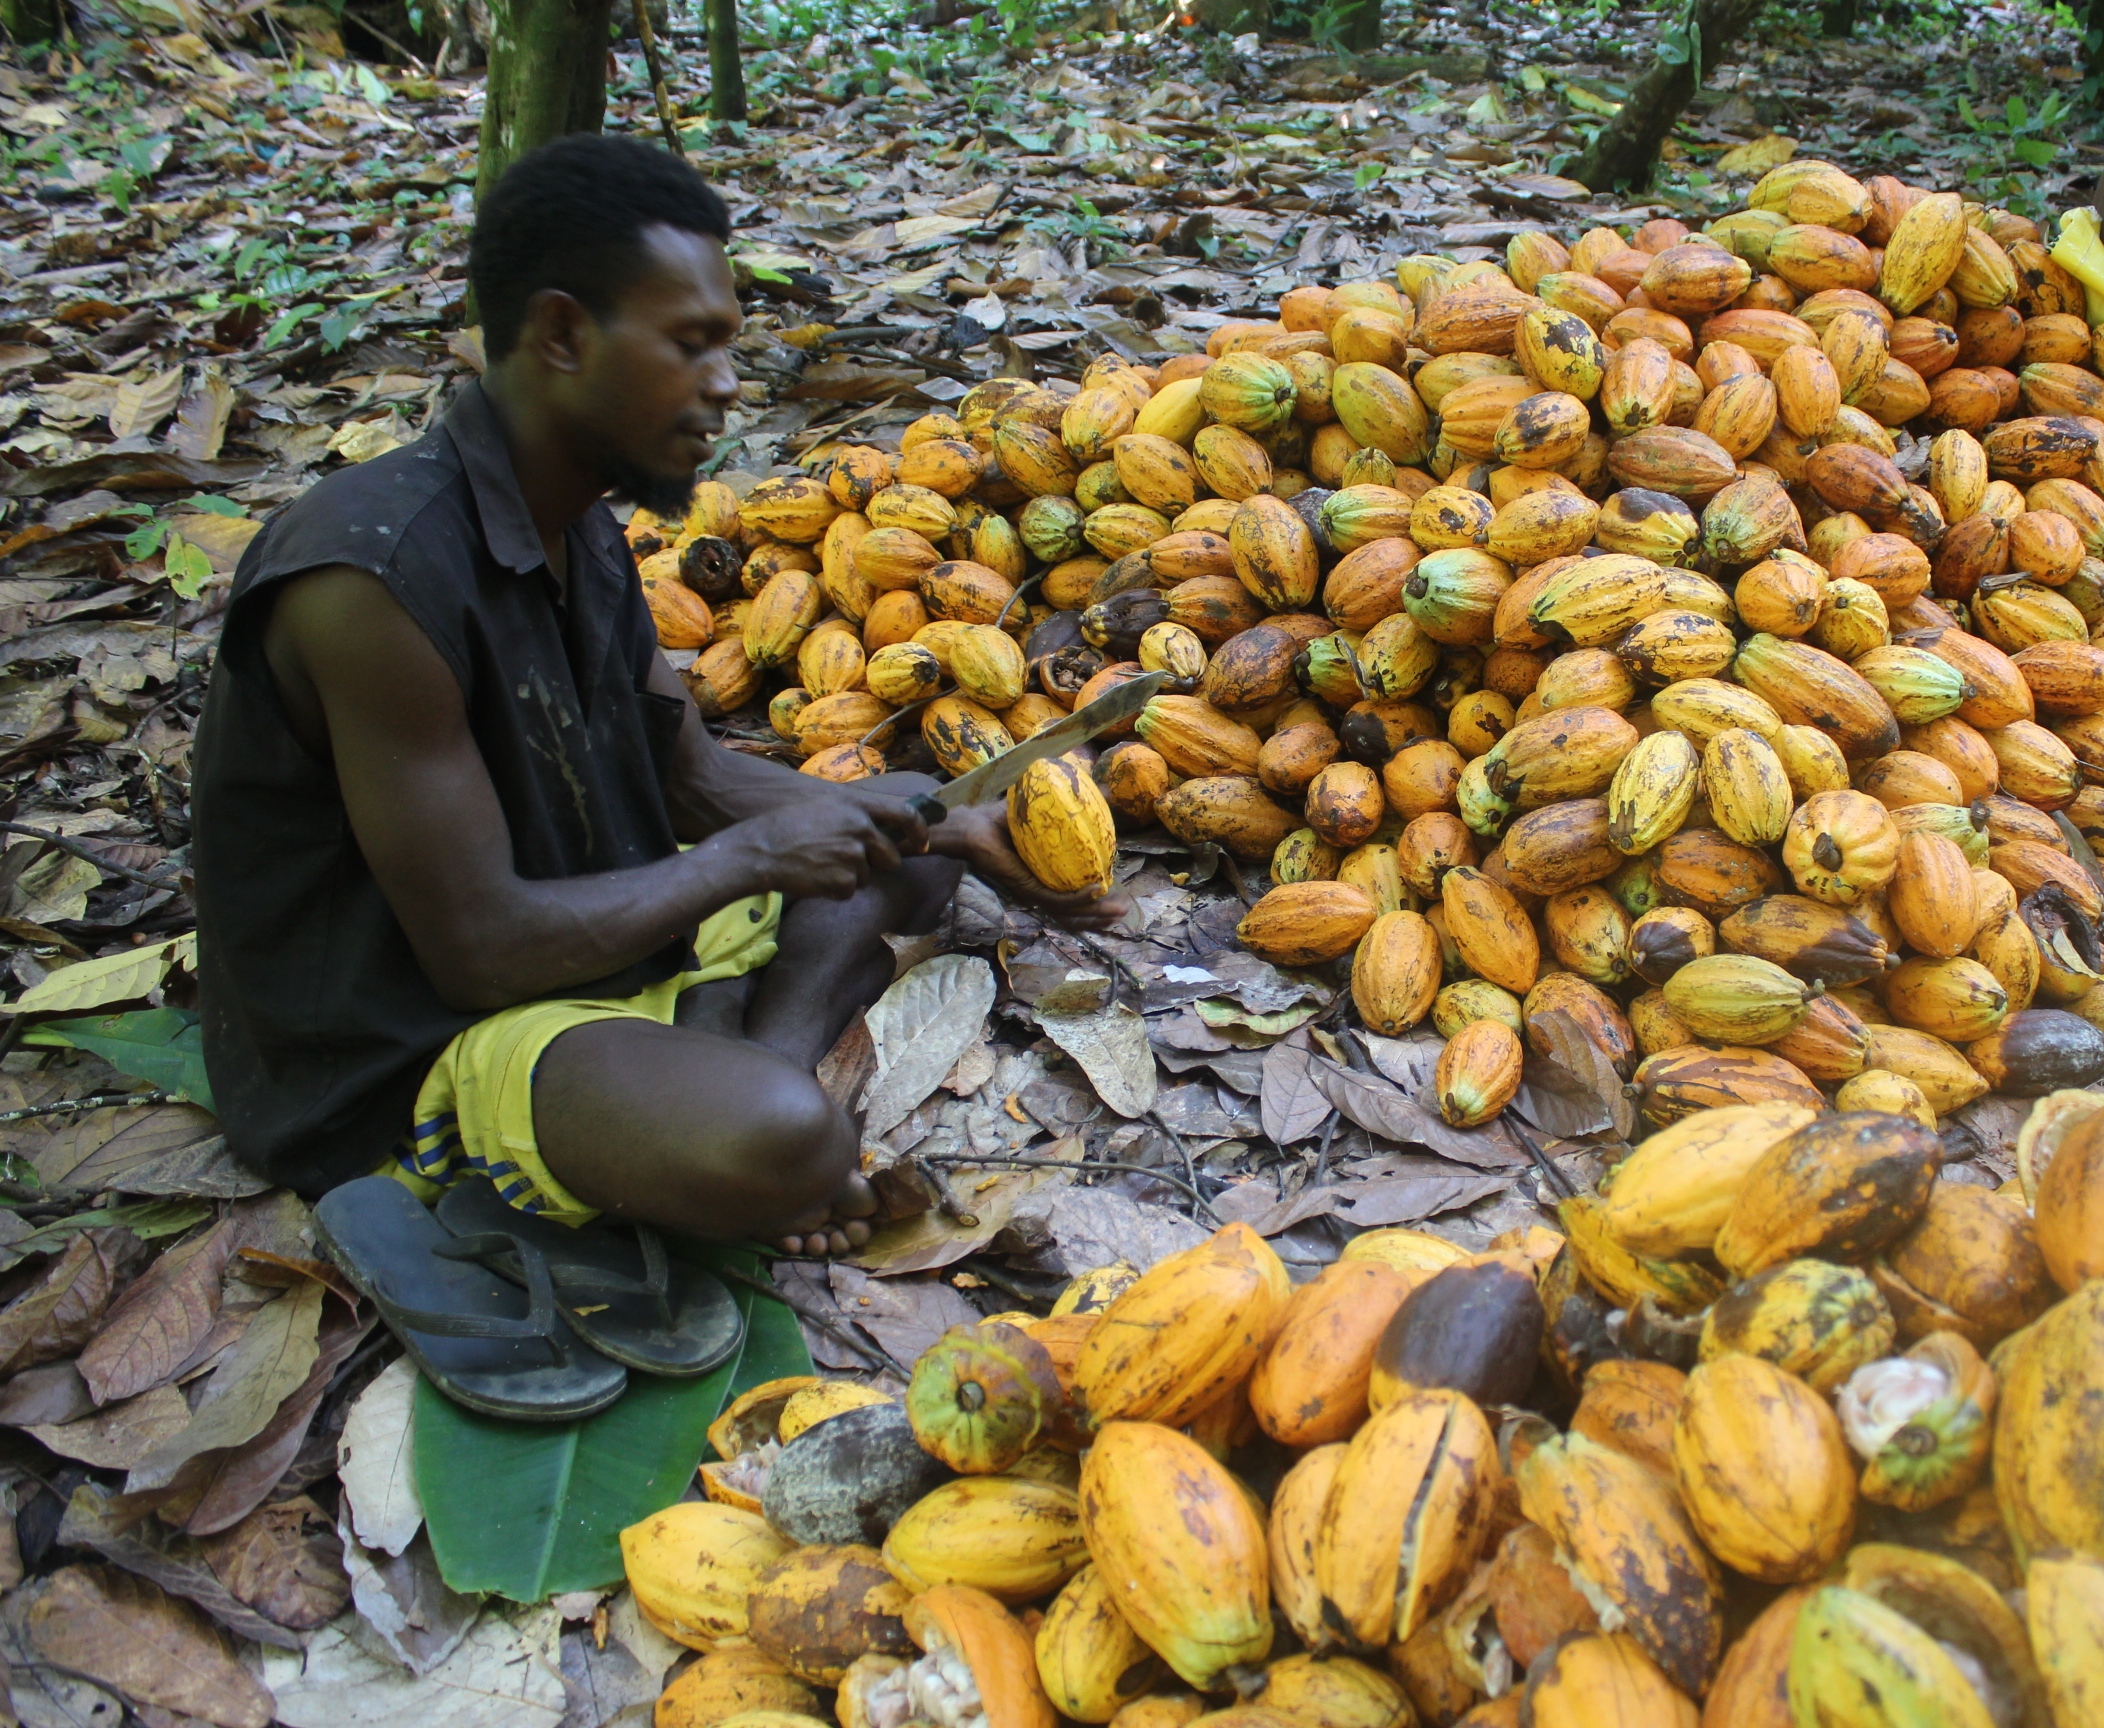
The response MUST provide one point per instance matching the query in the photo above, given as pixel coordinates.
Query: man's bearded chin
(663, 495)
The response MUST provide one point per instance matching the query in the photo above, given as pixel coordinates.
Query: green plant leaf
(144, 541)
(163, 1045)
(526, 1510)
(188, 567)
(2036, 151)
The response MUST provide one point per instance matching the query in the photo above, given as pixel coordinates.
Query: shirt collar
(507, 525)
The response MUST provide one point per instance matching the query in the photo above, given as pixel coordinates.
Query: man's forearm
(535, 937)
(711, 787)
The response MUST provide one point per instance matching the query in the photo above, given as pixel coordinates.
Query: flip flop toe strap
(499, 1251)
(539, 1322)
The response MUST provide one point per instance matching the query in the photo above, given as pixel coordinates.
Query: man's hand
(978, 834)
(827, 848)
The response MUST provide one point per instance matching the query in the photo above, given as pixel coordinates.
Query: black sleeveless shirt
(318, 1022)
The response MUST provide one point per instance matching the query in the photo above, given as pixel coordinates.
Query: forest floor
(230, 264)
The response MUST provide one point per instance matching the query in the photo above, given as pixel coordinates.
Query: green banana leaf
(526, 1510)
(163, 1045)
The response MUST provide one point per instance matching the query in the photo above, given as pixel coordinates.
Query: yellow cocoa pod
(1182, 1551)
(1653, 790)
(1602, 1677)
(722, 678)
(988, 666)
(831, 660)
(729, 1681)
(1295, 1525)
(1477, 1074)
(2064, 1601)
(1014, 1538)
(1186, 1333)
(1748, 790)
(1840, 1187)
(782, 615)
(1736, 999)
(962, 1628)
(1671, 1195)
(1409, 1515)
(1275, 553)
(2045, 1458)
(901, 673)
(1816, 1320)
(795, 508)
(962, 734)
(1396, 972)
(1764, 1470)
(1332, 1692)
(1089, 1659)
(1231, 463)
(1620, 1529)
(1062, 826)
(693, 1566)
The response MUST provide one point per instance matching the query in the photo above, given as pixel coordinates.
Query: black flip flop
(617, 1286)
(479, 1339)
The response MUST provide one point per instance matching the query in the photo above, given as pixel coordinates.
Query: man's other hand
(978, 834)
(828, 848)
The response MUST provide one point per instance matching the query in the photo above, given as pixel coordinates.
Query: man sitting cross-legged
(478, 894)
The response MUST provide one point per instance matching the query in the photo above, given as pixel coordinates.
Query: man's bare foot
(840, 1229)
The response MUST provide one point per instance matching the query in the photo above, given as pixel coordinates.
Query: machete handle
(930, 810)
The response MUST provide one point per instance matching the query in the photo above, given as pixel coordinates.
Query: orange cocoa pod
(1306, 923)
(1490, 931)
(1344, 803)
(1310, 1387)
(1396, 972)
(1630, 1405)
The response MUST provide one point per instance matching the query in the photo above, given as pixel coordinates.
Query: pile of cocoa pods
(1574, 1479)
(1683, 636)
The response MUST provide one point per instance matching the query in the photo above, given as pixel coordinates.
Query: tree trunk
(1837, 18)
(1362, 26)
(726, 69)
(1626, 149)
(31, 21)
(547, 77)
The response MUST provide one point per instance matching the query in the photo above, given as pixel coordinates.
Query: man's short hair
(571, 215)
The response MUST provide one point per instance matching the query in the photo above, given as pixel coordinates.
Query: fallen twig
(99, 1101)
(66, 843)
(1154, 1170)
(874, 1354)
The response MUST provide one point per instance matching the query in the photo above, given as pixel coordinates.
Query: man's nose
(719, 379)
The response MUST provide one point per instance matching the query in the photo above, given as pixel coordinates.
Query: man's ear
(556, 330)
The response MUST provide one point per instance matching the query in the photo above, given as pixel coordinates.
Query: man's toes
(856, 1231)
(856, 1199)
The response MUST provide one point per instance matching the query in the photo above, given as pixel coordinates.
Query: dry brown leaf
(144, 1546)
(153, 1327)
(58, 1315)
(119, 1435)
(257, 1375)
(142, 405)
(1293, 1105)
(286, 1561)
(130, 1634)
(200, 424)
(219, 1489)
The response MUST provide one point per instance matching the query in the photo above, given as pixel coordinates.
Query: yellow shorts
(474, 1114)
